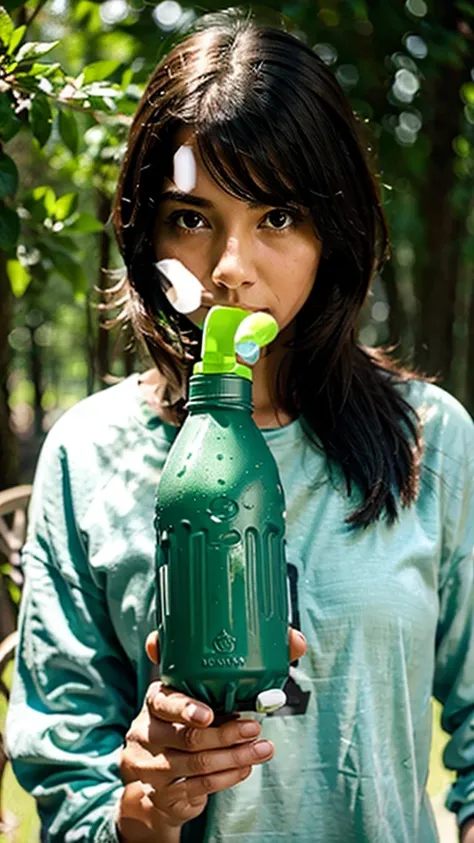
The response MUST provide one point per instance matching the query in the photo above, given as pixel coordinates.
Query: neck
(267, 412)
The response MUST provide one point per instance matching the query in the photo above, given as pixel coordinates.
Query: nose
(232, 269)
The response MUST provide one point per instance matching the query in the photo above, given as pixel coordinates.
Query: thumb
(152, 647)
(298, 645)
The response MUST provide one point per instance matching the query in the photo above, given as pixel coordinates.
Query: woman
(275, 210)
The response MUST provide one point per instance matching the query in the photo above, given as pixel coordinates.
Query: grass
(18, 805)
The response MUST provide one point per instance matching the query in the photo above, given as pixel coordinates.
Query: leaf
(65, 206)
(10, 5)
(41, 118)
(127, 77)
(47, 195)
(468, 8)
(40, 203)
(6, 27)
(69, 269)
(8, 176)
(467, 93)
(99, 70)
(9, 228)
(68, 130)
(16, 39)
(19, 277)
(9, 123)
(33, 49)
(84, 224)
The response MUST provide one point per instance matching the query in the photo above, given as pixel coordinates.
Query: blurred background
(71, 74)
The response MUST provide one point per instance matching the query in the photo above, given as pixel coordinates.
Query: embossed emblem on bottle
(224, 642)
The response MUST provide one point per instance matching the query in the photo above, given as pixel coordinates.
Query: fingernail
(262, 748)
(197, 713)
(300, 636)
(249, 730)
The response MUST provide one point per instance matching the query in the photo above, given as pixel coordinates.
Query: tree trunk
(439, 266)
(8, 443)
(36, 375)
(90, 347)
(396, 316)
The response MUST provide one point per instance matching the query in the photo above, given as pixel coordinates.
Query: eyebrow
(200, 202)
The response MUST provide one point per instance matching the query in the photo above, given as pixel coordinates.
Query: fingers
(195, 790)
(174, 707)
(298, 644)
(152, 647)
(207, 763)
(158, 734)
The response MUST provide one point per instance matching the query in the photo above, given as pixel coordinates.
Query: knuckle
(192, 739)
(200, 763)
(229, 734)
(207, 784)
(128, 769)
(240, 756)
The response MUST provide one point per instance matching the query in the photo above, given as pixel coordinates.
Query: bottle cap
(271, 700)
(228, 330)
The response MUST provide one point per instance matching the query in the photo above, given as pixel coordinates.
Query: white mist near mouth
(186, 290)
(184, 163)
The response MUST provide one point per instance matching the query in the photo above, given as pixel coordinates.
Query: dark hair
(261, 102)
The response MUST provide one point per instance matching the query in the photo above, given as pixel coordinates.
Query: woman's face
(256, 258)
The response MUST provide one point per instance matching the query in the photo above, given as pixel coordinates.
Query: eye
(277, 218)
(190, 220)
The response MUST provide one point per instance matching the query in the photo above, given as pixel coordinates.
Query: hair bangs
(246, 165)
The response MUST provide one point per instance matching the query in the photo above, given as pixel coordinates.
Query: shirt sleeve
(74, 690)
(454, 671)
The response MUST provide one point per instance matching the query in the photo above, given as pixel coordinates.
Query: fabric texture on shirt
(384, 610)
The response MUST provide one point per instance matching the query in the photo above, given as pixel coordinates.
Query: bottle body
(222, 608)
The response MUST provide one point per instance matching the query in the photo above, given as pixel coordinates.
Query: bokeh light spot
(406, 85)
(416, 46)
(329, 17)
(326, 52)
(380, 311)
(411, 120)
(347, 75)
(418, 8)
(167, 14)
(113, 11)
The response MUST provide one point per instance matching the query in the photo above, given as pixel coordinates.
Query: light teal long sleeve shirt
(388, 613)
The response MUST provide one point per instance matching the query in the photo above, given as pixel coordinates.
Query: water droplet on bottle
(180, 473)
(221, 482)
(220, 456)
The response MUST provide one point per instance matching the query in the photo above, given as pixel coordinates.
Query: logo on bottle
(224, 642)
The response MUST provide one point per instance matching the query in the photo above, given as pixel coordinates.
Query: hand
(172, 760)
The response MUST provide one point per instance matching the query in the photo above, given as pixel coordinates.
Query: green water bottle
(221, 569)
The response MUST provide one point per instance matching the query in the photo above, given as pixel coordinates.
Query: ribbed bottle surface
(222, 611)
(219, 390)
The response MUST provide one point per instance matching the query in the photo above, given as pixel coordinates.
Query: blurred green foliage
(71, 74)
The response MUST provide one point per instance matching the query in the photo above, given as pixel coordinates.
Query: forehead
(202, 181)
(183, 177)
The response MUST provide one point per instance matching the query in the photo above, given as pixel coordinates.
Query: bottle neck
(230, 392)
